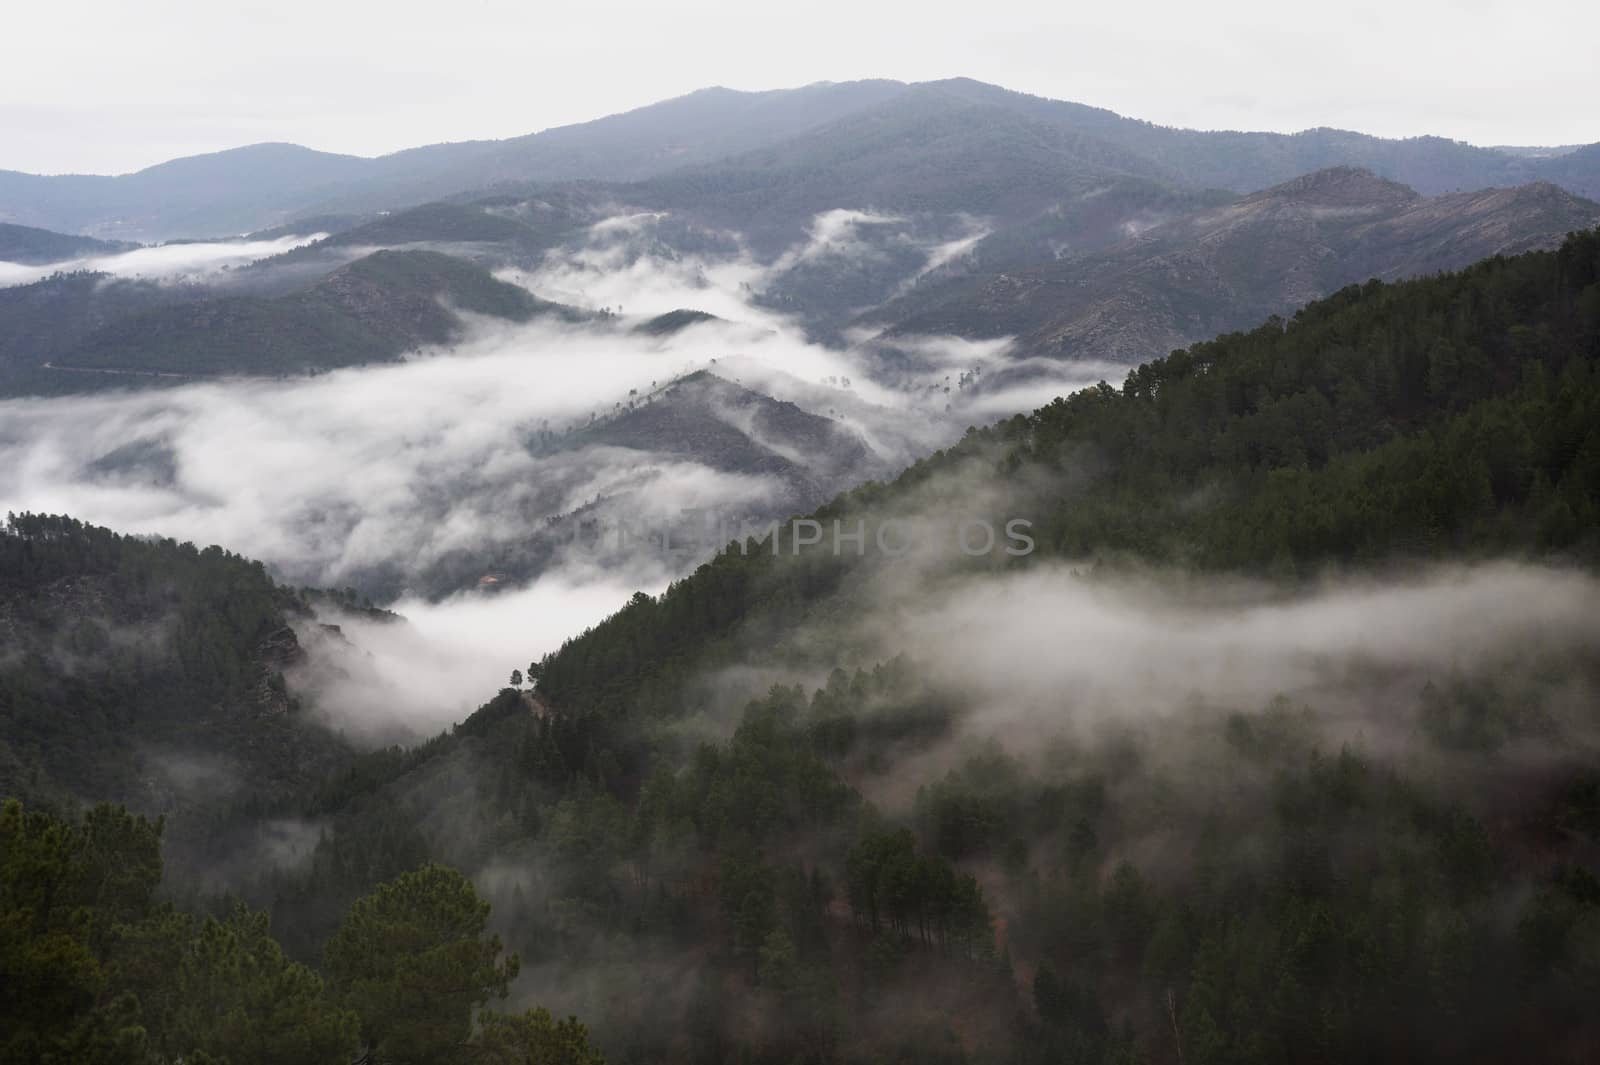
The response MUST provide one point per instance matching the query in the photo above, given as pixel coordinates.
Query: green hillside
(1441, 418)
(699, 893)
(131, 662)
(98, 968)
(731, 823)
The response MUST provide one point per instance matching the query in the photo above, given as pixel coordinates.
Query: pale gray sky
(107, 86)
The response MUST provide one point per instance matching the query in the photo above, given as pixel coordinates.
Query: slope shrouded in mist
(868, 679)
(26, 246)
(153, 674)
(166, 262)
(1303, 668)
(540, 469)
(374, 473)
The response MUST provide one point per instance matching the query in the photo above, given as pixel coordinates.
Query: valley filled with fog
(863, 574)
(474, 488)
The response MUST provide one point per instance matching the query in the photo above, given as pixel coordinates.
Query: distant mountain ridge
(263, 185)
(1222, 268)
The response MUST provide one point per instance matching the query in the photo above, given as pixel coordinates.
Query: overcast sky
(106, 86)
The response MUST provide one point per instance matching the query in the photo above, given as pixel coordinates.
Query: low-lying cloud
(442, 484)
(1049, 643)
(200, 261)
(396, 681)
(1049, 655)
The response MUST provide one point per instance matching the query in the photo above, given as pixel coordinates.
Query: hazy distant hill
(792, 459)
(440, 222)
(263, 185)
(674, 322)
(1222, 268)
(1052, 262)
(1578, 170)
(728, 427)
(24, 244)
(495, 232)
(220, 194)
(955, 144)
(702, 125)
(1049, 178)
(373, 309)
(1242, 161)
(310, 225)
(49, 318)
(925, 150)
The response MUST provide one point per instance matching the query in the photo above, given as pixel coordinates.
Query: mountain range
(948, 208)
(965, 250)
(1146, 279)
(923, 146)
(1227, 267)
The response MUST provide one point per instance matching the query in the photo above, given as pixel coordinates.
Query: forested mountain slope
(1278, 810)
(150, 674)
(1427, 392)
(44, 320)
(1280, 743)
(98, 968)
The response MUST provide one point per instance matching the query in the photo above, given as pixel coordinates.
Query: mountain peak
(1340, 186)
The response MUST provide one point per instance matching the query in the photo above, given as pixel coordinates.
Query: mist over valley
(519, 600)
